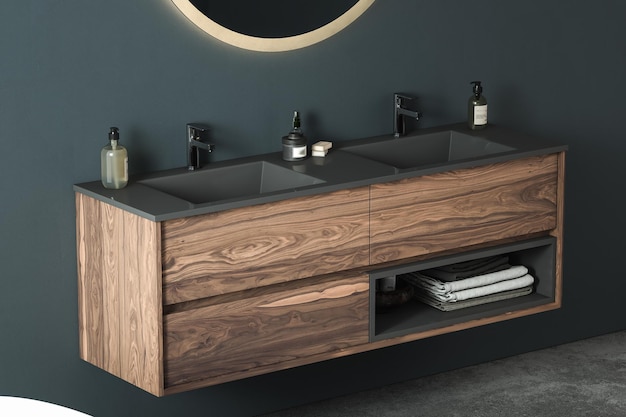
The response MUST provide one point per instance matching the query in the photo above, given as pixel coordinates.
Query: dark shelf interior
(538, 255)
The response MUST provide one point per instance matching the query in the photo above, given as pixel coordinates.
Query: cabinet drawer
(266, 330)
(460, 208)
(262, 245)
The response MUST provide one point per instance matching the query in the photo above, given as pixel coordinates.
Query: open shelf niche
(538, 255)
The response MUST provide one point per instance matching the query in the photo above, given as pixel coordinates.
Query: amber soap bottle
(477, 108)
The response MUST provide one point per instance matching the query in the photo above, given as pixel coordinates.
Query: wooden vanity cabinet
(181, 304)
(455, 209)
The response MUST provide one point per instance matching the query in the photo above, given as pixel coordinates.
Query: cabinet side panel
(460, 208)
(558, 231)
(266, 332)
(112, 236)
(120, 303)
(141, 310)
(266, 244)
(89, 243)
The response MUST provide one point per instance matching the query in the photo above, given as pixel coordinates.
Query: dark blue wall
(69, 69)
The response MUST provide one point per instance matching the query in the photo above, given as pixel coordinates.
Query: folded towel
(473, 292)
(442, 287)
(473, 264)
(469, 269)
(446, 306)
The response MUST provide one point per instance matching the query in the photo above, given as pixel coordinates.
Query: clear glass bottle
(114, 162)
(477, 108)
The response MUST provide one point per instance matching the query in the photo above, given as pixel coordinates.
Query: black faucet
(197, 133)
(399, 112)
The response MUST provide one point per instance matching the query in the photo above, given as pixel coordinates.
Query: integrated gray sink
(230, 182)
(426, 149)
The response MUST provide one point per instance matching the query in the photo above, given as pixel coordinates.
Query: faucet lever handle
(399, 97)
(197, 131)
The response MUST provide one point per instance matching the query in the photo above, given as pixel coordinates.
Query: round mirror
(272, 25)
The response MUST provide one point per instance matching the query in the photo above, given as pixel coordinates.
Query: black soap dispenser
(477, 108)
(295, 143)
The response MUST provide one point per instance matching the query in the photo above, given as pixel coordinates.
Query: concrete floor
(584, 378)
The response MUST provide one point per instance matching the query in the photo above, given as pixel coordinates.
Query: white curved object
(25, 407)
(254, 43)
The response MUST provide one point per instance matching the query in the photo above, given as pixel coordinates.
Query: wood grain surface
(290, 322)
(557, 232)
(203, 300)
(119, 286)
(266, 244)
(460, 208)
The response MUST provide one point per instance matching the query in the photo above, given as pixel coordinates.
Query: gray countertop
(339, 169)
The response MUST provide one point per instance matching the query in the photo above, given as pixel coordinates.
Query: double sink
(257, 178)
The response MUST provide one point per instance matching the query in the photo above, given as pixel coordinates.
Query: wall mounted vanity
(183, 286)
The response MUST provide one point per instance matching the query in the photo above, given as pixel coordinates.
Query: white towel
(481, 291)
(441, 287)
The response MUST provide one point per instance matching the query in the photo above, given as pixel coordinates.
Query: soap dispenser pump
(477, 108)
(114, 162)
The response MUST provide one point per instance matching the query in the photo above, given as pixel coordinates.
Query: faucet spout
(399, 114)
(196, 134)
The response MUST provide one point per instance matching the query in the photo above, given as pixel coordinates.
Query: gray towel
(447, 306)
(444, 287)
(474, 292)
(469, 269)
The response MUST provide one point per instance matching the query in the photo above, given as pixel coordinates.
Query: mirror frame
(259, 44)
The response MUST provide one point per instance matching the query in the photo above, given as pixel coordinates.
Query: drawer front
(266, 244)
(266, 330)
(460, 208)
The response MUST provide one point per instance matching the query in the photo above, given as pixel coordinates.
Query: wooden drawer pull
(330, 293)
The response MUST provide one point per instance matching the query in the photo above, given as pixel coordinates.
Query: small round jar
(294, 147)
